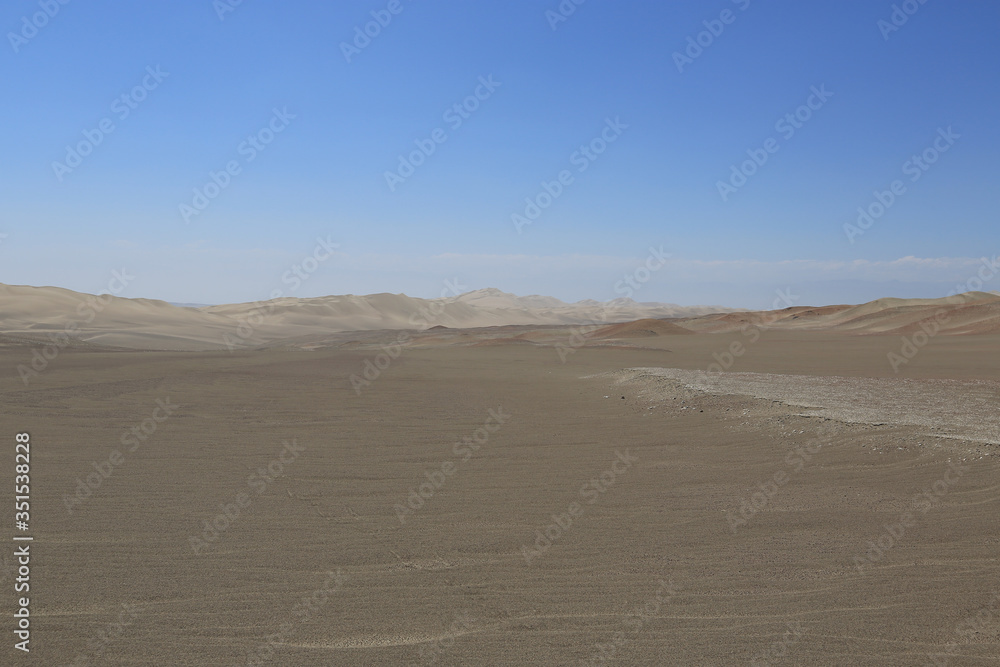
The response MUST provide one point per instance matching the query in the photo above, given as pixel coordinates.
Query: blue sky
(345, 120)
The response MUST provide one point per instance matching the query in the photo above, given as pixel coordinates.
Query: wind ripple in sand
(966, 409)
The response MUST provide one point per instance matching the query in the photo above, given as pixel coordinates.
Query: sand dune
(970, 313)
(34, 312)
(39, 313)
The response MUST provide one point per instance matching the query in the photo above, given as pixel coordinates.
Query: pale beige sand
(37, 312)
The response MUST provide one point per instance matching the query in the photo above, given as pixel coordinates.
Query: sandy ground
(688, 524)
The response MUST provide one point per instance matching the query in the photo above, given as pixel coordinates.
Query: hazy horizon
(780, 298)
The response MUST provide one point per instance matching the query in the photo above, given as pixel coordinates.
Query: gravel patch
(964, 409)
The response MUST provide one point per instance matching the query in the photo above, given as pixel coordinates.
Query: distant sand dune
(971, 313)
(37, 314)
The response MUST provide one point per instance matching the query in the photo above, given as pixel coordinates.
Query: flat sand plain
(700, 525)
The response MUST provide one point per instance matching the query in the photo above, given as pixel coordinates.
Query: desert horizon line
(784, 297)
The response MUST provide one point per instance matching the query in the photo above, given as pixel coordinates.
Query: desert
(484, 499)
(523, 333)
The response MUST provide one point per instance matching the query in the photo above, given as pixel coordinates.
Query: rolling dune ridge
(33, 313)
